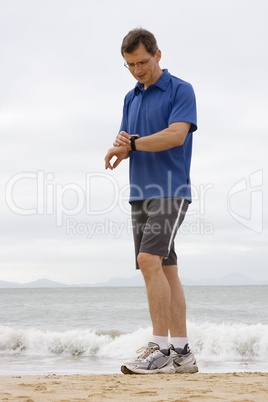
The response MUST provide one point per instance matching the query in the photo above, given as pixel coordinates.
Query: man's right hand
(122, 139)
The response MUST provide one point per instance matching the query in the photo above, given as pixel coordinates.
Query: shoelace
(146, 351)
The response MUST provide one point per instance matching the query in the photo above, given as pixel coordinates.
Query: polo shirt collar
(163, 80)
(161, 83)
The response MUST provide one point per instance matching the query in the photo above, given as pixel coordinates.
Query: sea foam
(224, 342)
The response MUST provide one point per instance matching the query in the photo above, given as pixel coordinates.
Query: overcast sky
(63, 83)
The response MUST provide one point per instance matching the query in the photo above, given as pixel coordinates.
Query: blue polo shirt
(164, 173)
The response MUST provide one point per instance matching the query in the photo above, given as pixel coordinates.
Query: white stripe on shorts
(175, 226)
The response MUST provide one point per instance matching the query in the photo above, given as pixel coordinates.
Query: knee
(143, 260)
(149, 263)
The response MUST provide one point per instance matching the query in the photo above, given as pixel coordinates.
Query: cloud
(62, 90)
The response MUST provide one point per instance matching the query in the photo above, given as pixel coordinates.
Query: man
(159, 117)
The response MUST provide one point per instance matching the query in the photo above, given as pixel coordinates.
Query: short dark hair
(138, 36)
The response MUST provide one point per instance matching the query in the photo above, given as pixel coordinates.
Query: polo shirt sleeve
(123, 126)
(184, 106)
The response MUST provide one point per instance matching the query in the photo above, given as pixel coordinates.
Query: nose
(137, 69)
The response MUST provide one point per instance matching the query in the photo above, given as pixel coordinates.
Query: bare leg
(177, 324)
(158, 292)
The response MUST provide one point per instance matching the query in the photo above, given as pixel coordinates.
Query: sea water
(94, 330)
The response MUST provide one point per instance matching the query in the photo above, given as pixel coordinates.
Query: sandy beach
(117, 387)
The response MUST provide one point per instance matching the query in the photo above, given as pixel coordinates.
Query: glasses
(142, 63)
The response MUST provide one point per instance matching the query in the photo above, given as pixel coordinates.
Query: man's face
(149, 73)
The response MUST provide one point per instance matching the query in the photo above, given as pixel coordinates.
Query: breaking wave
(227, 342)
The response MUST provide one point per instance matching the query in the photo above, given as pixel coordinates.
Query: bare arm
(170, 137)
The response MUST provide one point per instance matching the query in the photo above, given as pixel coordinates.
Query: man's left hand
(121, 152)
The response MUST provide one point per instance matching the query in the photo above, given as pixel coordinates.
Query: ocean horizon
(233, 279)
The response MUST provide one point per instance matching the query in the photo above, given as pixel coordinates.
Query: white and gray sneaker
(183, 360)
(152, 360)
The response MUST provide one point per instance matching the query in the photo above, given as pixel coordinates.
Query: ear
(158, 55)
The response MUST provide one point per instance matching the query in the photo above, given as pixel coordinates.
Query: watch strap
(132, 142)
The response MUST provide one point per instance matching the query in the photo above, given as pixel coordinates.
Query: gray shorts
(155, 223)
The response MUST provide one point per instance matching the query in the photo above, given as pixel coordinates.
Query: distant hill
(137, 280)
(40, 283)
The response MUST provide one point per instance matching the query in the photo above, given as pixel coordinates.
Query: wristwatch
(133, 138)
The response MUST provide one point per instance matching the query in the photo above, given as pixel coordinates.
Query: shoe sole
(167, 369)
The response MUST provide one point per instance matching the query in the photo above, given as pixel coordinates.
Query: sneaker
(183, 360)
(152, 360)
